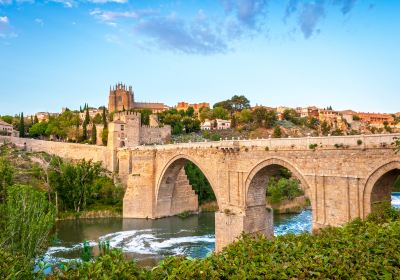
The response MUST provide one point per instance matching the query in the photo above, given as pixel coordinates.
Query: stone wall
(62, 149)
(155, 135)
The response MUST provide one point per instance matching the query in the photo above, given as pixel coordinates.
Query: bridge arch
(174, 194)
(379, 185)
(255, 184)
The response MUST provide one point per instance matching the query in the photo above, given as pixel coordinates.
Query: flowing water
(148, 241)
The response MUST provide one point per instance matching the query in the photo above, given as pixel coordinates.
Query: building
(333, 118)
(196, 106)
(217, 124)
(122, 98)
(376, 119)
(45, 116)
(7, 129)
(206, 125)
(92, 113)
(306, 112)
(223, 124)
(126, 130)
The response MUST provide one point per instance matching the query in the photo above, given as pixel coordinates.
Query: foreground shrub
(110, 266)
(360, 250)
(29, 217)
(15, 266)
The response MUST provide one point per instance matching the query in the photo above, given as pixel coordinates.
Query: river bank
(290, 206)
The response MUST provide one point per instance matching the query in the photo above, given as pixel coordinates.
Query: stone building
(126, 130)
(122, 97)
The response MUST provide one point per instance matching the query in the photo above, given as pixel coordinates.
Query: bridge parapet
(303, 143)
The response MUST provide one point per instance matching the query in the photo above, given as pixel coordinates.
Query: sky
(64, 53)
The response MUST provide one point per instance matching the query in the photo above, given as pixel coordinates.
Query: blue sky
(343, 53)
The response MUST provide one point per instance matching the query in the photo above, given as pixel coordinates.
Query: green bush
(29, 217)
(15, 266)
(199, 183)
(359, 250)
(110, 266)
(283, 188)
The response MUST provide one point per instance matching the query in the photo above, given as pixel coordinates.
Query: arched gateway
(341, 178)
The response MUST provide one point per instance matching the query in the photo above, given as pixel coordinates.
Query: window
(122, 127)
(119, 98)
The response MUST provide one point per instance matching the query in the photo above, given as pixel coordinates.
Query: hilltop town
(137, 123)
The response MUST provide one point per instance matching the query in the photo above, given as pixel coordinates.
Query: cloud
(107, 1)
(173, 33)
(310, 15)
(66, 3)
(111, 16)
(246, 11)
(346, 5)
(4, 20)
(39, 21)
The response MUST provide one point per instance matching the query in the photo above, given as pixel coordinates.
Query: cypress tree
(84, 134)
(94, 134)
(22, 126)
(104, 117)
(36, 120)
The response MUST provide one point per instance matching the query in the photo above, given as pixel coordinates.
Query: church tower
(121, 98)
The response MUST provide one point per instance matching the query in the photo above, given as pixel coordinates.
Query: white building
(223, 124)
(217, 124)
(206, 125)
(7, 129)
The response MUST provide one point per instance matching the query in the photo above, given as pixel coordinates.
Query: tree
(291, 115)
(270, 119)
(74, 183)
(277, 132)
(6, 178)
(312, 122)
(94, 135)
(199, 183)
(227, 105)
(8, 119)
(97, 119)
(191, 124)
(104, 118)
(245, 116)
(206, 113)
(104, 136)
(29, 219)
(35, 120)
(325, 128)
(38, 129)
(21, 126)
(233, 121)
(190, 111)
(259, 115)
(220, 113)
(240, 102)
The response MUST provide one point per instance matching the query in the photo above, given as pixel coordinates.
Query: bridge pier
(229, 225)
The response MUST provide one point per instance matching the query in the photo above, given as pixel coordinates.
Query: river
(149, 241)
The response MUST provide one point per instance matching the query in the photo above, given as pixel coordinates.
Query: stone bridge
(343, 176)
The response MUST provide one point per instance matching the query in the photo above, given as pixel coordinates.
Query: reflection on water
(148, 241)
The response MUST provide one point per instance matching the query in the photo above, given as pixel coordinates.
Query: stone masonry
(344, 177)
